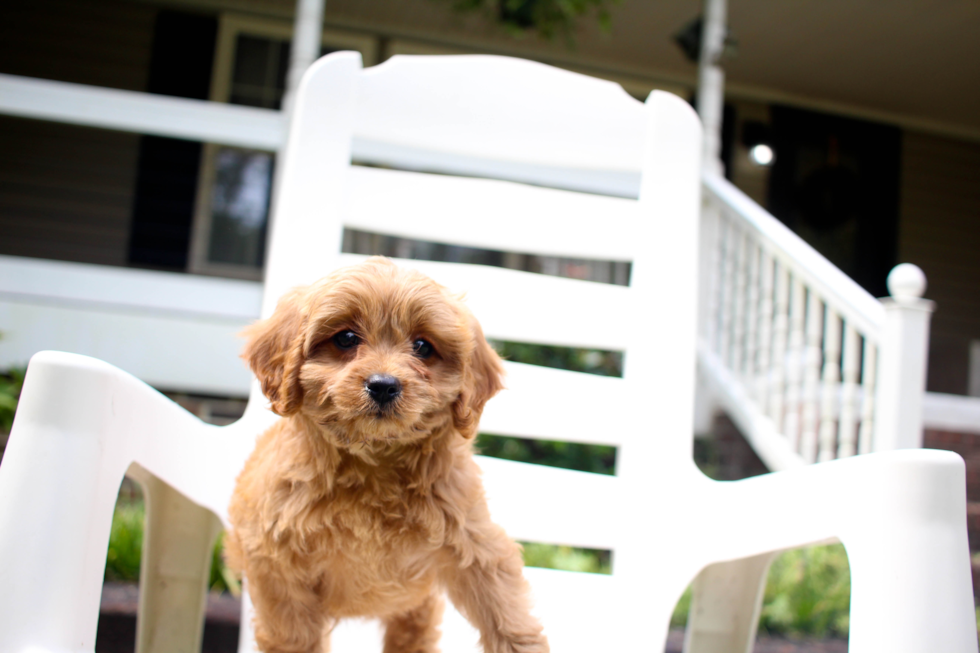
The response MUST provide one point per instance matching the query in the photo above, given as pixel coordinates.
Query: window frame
(230, 27)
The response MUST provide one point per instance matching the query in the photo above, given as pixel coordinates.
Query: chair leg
(725, 608)
(177, 544)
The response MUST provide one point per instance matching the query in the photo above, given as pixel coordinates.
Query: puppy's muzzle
(383, 389)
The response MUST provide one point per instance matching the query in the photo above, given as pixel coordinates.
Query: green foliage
(547, 18)
(125, 542)
(590, 361)
(679, 618)
(550, 556)
(599, 459)
(808, 592)
(11, 383)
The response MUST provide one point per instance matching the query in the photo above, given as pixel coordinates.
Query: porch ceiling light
(761, 154)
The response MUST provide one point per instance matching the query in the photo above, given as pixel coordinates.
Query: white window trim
(230, 26)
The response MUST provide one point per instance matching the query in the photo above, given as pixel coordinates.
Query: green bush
(122, 561)
(808, 593)
(568, 558)
(11, 383)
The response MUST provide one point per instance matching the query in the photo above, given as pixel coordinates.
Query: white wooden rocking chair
(83, 424)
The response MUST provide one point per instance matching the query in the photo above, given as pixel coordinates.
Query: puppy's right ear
(274, 352)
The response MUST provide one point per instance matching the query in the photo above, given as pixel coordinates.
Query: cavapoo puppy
(364, 499)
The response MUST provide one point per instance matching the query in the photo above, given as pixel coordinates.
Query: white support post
(305, 48)
(711, 82)
(903, 359)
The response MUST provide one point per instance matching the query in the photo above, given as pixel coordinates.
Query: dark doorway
(835, 182)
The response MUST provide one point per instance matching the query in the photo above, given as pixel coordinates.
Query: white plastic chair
(83, 424)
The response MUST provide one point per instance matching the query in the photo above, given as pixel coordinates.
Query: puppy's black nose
(383, 388)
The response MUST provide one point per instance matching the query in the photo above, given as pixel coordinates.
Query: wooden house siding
(66, 192)
(939, 231)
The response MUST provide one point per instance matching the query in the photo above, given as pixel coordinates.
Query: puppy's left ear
(483, 378)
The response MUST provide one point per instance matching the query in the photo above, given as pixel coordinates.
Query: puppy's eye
(423, 348)
(346, 340)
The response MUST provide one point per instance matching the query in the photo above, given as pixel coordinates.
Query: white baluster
(727, 234)
(710, 275)
(764, 360)
(752, 321)
(847, 445)
(811, 377)
(777, 407)
(831, 385)
(794, 371)
(738, 314)
(869, 377)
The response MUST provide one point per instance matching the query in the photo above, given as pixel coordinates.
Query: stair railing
(809, 365)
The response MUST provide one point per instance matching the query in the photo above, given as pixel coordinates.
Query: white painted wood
(753, 299)
(728, 237)
(830, 389)
(739, 309)
(869, 378)
(171, 351)
(904, 351)
(526, 307)
(107, 108)
(761, 431)
(947, 412)
(305, 45)
(848, 430)
(490, 214)
(780, 340)
(711, 82)
(812, 359)
(122, 290)
(794, 363)
(766, 309)
(709, 275)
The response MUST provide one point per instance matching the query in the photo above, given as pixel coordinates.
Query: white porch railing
(809, 365)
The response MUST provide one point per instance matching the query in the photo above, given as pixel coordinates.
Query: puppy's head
(374, 353)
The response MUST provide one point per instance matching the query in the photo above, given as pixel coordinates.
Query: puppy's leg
(415, 631)
(491, 592)
(289, 616)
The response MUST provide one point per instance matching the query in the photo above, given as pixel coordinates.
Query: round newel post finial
(906, 283)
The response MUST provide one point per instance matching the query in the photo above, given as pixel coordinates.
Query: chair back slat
(501, 109)
(490, 214)
(518, 306)
(576, 503)
(547, 404)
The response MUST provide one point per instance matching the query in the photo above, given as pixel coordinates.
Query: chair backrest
(497, 115)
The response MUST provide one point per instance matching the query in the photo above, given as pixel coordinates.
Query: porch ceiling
(914, 62)
(913, 58)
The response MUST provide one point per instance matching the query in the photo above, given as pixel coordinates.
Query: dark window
(167, 168)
